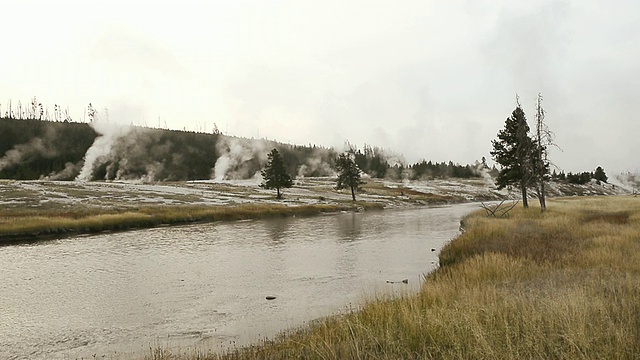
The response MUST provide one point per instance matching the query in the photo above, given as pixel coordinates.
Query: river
(117, 295)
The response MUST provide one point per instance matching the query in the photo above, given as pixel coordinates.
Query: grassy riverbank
(33, 210)
(33, 224)
(564, 284)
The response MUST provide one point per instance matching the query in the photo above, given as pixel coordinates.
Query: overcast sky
(428, 79)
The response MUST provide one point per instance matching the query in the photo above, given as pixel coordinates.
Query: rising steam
(69, 172)
(108, 133)
(240, 158)
(43, 147)
(318, 164)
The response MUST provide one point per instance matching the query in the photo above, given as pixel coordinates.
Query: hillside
(32, 149)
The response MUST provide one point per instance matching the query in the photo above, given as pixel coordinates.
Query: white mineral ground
(68, 194)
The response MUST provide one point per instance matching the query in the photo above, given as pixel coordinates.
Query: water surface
(205, 285)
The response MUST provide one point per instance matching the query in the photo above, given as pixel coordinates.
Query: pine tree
(275, 174)
(348, 174)
(513, 151)
(600, 175)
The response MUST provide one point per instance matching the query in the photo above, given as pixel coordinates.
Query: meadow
(555, 285)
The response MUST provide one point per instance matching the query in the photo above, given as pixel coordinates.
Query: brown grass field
(560, 285)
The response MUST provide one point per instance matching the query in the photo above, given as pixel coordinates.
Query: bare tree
(543, 139)
(34, 108)
(91, 112)
(67, 115)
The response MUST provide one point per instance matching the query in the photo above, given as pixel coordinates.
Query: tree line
(49, 149)
(427, 169)
(582, 178)
(32, 149)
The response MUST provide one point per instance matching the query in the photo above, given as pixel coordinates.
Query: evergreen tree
(513, 151)
(600, 175)
(275, 174)
(348, 174)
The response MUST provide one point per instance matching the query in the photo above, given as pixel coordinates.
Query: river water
(205, 285)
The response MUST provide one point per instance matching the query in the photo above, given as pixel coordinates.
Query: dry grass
(30, 224)
(562, 285)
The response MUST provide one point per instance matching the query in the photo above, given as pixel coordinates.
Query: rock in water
(270, 297)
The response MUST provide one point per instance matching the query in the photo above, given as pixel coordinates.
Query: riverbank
(34, 210)
(37, 225)
(563, 284)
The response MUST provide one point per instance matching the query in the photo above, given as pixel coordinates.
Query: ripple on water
(206, 283)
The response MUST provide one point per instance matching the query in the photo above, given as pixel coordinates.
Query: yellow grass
(560, 285)
(32, 224)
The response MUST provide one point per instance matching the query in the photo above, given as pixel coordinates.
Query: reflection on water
(277, 229)
(205, 285)
(350, 226)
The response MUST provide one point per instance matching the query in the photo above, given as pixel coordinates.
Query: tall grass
(32, 224)
(560, 285)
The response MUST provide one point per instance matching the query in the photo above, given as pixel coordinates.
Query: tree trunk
(542, 152)
(353, 193)
(543, 200)
(525, 201)
(278, 190)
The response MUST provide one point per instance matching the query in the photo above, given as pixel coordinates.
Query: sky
(427, 79)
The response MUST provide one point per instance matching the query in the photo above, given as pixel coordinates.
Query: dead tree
(543, 140)
(499, 211)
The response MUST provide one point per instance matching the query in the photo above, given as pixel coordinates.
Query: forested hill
(30, 149)
(33, 149)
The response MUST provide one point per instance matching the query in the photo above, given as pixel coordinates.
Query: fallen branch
(498, 211)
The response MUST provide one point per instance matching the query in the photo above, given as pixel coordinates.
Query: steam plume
(108, 134)
(25, 152)
(239, 158)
